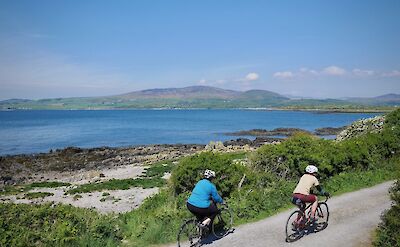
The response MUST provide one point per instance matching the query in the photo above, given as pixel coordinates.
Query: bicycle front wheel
(322, 214)
(189, 234)
(222, 223)
(295, 226)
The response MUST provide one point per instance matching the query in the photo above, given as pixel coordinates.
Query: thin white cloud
(284, 74)
(328, 71)
(307, 71)
(334, 71)
(361, 72)
(252, 77)
(393, 73)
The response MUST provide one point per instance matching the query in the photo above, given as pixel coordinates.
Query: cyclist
(202, 201)
(301, 193)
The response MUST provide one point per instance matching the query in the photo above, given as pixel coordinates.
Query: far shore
(317, 110)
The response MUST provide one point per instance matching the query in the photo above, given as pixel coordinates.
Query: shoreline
(317, 110)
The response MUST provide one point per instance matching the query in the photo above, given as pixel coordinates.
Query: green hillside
(199, 97)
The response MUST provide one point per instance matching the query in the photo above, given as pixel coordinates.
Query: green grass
(56, 225)
(119, 184)
(13, 190)
(34, 195)
(158, 169)
(45, 185)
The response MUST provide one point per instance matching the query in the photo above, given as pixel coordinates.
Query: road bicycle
(299, 224)
(192, 232)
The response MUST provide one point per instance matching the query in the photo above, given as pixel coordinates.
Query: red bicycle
(299, 224)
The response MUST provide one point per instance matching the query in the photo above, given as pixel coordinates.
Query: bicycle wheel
(295, 226)
(322, 214)
(189, 234)
(222, 223)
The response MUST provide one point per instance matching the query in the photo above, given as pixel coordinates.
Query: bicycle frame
(306, 212)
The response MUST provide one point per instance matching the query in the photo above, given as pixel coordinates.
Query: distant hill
(387, 99)
(194, 97)
(194, 92)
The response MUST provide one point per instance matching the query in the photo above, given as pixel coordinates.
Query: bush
(55, 225)
(289, 159)
(388, 233)
(157, 220)
(190, 170)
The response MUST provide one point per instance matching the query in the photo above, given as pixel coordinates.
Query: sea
(35, 131)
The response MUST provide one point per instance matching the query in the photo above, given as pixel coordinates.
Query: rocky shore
(77, 165)
(286, 132)
(17, 169)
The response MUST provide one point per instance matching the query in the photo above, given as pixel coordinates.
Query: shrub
(388, 233)
(190, 170)
(55, 225)
(289, 159)
(157, 220)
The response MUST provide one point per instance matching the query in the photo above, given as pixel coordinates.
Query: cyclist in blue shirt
(202, 201)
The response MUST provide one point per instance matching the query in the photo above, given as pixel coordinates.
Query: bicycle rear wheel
(322, 216)
(295, 226)
(189, 234)
(222, 223)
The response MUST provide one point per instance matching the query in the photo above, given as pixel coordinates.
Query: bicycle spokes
(190, 234)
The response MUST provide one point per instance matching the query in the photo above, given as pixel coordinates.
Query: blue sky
(301, 48)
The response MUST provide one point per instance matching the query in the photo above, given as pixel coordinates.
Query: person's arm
(322, 191)
(214, 194)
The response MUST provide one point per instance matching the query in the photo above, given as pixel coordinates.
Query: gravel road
(353, 218)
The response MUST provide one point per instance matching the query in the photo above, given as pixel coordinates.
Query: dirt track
(353, 218)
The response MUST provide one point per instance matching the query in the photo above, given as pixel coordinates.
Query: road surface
(353, 218)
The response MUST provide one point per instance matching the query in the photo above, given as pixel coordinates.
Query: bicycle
(192, 232)
(298, 223)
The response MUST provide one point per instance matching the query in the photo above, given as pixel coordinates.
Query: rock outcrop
(360, 127)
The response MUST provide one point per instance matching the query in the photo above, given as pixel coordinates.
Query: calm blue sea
(40, 131)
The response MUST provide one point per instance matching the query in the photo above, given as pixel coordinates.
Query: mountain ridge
(196, 97)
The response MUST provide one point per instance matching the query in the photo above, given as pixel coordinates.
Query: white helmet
(311, 169)
(209, 174)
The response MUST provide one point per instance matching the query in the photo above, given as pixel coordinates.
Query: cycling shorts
(305, 198)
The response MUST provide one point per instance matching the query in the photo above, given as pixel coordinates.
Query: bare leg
(314, 208)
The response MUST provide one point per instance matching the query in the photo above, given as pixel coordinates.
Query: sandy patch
(84, 176)
(107, 201)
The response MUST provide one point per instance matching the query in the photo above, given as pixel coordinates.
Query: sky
(318, 49)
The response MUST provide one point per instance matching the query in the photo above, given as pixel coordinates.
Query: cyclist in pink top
(301, 193)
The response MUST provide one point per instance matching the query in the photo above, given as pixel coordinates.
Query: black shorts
(201, 213)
